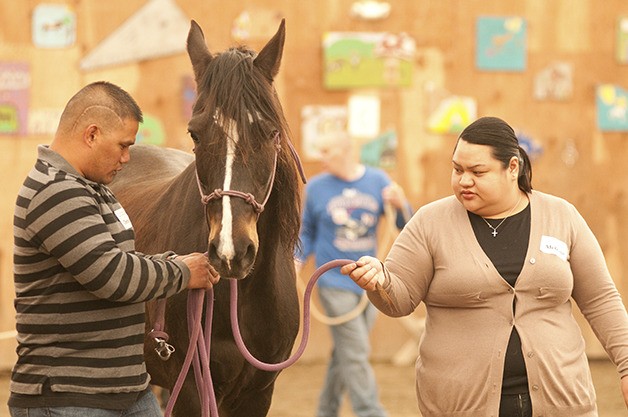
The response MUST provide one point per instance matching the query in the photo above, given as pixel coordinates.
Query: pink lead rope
(199, 348)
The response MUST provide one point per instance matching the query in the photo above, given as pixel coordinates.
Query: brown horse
(242, 149)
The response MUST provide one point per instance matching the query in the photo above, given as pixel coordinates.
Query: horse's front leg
(188, 403)
(165, 374)
(251, 403)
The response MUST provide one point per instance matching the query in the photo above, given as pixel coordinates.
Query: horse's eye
(194, 137)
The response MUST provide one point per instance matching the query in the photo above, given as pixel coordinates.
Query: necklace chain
(494, 232)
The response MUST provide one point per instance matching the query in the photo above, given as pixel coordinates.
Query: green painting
(361, 59)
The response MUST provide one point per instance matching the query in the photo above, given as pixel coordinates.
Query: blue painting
(612, 108)
(501, 44)
(533, 148)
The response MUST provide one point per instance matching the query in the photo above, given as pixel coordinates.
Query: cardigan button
(532, 261)
(535, 387)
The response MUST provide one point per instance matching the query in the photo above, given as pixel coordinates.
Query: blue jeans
(146, 406)
(349, 369)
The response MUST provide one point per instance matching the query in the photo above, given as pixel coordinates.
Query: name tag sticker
(554, 246)
(124, 218)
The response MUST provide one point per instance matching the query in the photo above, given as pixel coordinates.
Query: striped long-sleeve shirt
(80, 287)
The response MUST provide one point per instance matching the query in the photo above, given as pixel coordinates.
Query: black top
(507, 251)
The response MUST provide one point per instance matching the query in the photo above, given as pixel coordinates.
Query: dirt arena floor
(297, 389)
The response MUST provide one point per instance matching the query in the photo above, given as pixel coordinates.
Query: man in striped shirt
(80, 285)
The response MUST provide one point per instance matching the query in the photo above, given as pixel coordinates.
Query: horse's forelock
(235, 88)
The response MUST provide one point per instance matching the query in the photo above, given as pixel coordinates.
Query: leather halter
(218, 193)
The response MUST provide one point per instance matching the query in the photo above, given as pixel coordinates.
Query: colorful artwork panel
(320, 121)
(15, 81)
(612, 108)
(54, 26)
(501, 44)
(361, 59)
(453, 114)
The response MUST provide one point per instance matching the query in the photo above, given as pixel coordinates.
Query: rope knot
(250, 199)
(215, 195)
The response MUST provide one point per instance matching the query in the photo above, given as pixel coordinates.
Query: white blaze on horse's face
(233, 239)
(226, 248)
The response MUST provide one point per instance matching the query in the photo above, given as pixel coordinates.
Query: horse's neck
(184, 196)
(156, 206)
(185, 181)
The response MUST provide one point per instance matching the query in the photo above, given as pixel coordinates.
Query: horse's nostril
(251, 251)
(212, 254)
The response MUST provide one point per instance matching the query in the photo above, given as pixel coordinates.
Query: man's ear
(89, 134)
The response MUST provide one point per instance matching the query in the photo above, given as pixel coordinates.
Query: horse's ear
(197, 50)
(269, 58)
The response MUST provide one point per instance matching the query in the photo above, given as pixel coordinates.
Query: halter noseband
(218, 193)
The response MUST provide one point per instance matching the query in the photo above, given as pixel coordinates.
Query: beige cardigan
(437, 260)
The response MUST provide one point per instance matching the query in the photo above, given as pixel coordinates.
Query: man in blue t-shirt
(342, 209)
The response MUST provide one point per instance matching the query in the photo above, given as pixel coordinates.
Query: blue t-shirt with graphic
(340, 221)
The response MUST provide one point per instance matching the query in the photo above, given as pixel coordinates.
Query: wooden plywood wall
(581, 32)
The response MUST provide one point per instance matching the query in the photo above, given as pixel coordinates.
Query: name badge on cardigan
(554, 246)
(124, 218)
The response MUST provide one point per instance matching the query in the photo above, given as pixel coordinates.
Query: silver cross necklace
(494, 232)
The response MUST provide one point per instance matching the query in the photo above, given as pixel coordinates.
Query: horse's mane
(233, 85)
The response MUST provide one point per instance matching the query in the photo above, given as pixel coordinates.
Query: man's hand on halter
(202, 274)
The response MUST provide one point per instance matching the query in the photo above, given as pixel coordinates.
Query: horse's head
(239, 135)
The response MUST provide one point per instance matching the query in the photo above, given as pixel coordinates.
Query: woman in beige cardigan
(497, 266)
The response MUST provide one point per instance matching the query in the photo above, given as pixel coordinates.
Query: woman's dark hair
(496, 133)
